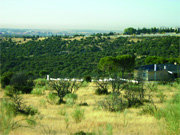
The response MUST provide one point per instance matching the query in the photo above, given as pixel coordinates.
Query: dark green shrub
(18, 105)
(63, 88)
(5, 79)
(102, 88)
(100, 91)
(83, 104)
(87, 78)
(83, 133)
(21, 82)
(7, 121)
(113, 103)
(134, 94)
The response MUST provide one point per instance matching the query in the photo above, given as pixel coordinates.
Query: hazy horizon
(88, 15)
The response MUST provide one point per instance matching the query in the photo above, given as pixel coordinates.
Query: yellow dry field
(135, 39)
(21, 40)
(51, 118)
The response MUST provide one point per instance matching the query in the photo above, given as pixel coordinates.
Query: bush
(5, 79)
(38, 91)
(6, 117)
(113, 103)
(134, 93)
(9, 91)
(70, 98)
(63, 88)
(40, 82)
(83, 104)
(100, 91)
(52, 98)
(148, 109)
(102, 88)
(21, 82)
(84, 84)
(83, 133)
(87, 78)
(171, 115)
(78, 114)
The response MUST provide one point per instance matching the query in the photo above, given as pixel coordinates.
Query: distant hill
(77, 57)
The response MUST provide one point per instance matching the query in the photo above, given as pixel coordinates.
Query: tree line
(131, 30)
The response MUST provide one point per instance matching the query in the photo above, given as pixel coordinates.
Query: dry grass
(21, 40)
(50, 117)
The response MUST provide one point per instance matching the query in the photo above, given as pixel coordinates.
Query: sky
(89, 14)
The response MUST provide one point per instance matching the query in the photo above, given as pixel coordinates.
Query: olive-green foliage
(78, 114)
(117, 64)
(159, 60)
(59, 57)
(107, 64)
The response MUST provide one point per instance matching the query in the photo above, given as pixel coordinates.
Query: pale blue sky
(89, 14)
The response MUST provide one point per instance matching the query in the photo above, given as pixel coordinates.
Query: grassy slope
(130, 123)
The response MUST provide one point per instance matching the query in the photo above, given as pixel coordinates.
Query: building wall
(153, 76)
(159, 76)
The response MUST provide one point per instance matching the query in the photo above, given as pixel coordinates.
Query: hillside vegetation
(72, 57)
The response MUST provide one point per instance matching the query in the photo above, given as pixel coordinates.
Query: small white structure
(48, 77)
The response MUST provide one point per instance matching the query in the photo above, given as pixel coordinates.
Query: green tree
(125, 63)
(129, 31)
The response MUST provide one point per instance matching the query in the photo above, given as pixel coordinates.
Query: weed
(78, 114)
(46, 130)
(125, 122)
(113, 103)
(52, 98)
(161, 96)
(148, 109)
(171, 115)
(62, 112)
(70, 98)
(38, 91)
